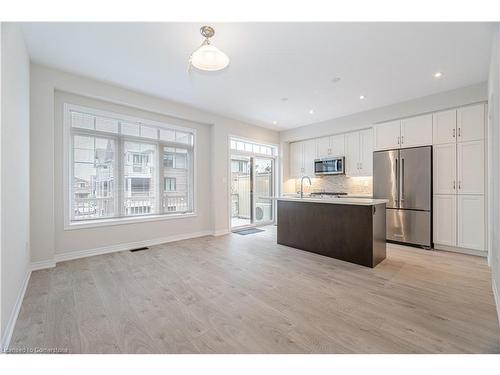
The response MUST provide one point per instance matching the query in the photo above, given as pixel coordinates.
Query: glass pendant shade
(209, 58)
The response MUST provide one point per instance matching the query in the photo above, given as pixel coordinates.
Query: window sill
(125, 220)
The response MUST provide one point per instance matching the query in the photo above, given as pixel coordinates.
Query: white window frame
(277, 173)
(67, 172)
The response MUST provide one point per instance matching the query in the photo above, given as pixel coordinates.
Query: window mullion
(120, 204)
(161, 179)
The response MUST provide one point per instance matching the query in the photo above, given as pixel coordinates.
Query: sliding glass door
(263, 176)
(252, 186)
(241, 191)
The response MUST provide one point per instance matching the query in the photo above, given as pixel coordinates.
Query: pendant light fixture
(208, 57)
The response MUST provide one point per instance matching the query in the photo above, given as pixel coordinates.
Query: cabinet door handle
(453, 133)
(402, 139)
(460, 184)
(398, 140)
(453, 184)
(459, 132)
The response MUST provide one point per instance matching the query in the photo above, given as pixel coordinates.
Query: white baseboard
(41, 265)
(220, 232)
(11, 323)
(461, 250)
(127, 246)
(497, 298)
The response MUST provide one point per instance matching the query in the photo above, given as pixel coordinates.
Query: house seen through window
(118, 167)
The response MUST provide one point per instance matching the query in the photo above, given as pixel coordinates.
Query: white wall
(494, 165)
(431, 103)
(49, 89)
(14, 174)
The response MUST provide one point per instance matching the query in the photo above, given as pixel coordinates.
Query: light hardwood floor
(246, 294)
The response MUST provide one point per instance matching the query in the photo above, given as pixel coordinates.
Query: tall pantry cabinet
(459, 178)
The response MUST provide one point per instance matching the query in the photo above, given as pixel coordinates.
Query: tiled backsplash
(341, 183)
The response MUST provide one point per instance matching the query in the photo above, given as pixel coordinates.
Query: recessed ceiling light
(335, 79)
(284, 99)
(311, 111)
(438, 75)
(275, 122)
(361, 97)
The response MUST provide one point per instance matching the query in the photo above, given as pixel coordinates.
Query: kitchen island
(349, 229)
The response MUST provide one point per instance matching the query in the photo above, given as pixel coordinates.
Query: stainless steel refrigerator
(404, 177)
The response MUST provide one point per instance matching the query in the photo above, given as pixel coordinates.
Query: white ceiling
(386, 62)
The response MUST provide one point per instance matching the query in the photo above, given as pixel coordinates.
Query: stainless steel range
(328, 194)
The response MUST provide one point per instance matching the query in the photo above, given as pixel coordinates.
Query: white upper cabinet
(387, 135)
(471, 222)
(302, 155)
(296, 159)
(416, 131)
(366, 152)
(470, 123)
(330, 146)
(309, 156)
(359, 153)
(470, 167)
(444, 169)
(444, 127)
(410, 132)
(445, 220)
(323, 149)
(352, 151)
(337, 145)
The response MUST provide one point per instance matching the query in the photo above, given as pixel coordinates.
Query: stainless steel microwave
(331, 165)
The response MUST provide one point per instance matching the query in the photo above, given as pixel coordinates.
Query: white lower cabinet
(458, 221)
(470, 213)
(445, 220)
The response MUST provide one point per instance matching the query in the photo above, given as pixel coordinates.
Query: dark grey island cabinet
(349, 229)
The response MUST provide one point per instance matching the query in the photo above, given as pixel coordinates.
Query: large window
(122, 167)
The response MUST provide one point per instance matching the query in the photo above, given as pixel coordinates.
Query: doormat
(246, 231)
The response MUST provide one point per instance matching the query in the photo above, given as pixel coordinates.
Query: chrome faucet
(302, 185)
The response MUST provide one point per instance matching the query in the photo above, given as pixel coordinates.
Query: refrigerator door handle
(397, 183)
(401, 182)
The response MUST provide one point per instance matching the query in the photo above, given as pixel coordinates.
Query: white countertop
(351, 201)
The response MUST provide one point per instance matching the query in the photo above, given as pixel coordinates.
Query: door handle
(459, 132)
(402, 180)
(397, 181)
